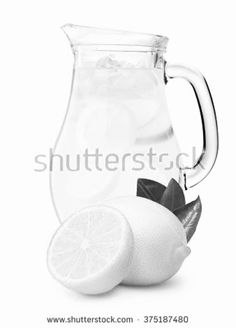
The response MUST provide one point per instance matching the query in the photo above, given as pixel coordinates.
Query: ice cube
(107, 62)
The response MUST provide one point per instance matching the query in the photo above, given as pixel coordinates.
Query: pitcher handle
(193, 175)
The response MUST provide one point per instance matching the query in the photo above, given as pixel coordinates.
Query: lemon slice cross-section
(92, 251)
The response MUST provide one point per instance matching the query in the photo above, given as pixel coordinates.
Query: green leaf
(173, 196)
(189, 215)
(150, 189)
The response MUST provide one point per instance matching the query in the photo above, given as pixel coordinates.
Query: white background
(35, 74)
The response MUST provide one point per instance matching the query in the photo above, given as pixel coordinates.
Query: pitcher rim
(81, 35)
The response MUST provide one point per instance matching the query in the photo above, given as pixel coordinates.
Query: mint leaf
(189, 216)
(173, 196)
(150, 189)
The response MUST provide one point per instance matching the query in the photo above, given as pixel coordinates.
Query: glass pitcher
(117, 128)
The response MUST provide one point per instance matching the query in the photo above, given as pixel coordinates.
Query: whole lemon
(160, 244)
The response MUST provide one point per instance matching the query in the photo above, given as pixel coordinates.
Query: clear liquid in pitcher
(118, 129)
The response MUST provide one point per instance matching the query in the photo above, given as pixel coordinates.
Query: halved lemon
(92, 251)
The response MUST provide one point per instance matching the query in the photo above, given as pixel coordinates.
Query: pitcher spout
(75, 33)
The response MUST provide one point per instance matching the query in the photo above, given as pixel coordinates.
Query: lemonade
(118, 111)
